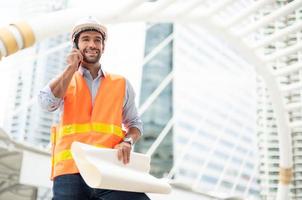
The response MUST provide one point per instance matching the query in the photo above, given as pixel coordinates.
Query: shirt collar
(83, 71)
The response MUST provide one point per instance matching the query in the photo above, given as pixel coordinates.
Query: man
(94, 106)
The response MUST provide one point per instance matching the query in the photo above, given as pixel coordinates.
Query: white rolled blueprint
(100, 168)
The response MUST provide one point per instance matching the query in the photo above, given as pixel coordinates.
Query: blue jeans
(73, 187)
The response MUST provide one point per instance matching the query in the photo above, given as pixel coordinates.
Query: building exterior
(31, 123)
(160, 112)
(216, 101)
(215, 145)
(267, 129)
(213, 103)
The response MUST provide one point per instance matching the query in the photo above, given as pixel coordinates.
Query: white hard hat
(88, 24)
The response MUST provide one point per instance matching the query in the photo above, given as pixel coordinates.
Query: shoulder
(114, 77)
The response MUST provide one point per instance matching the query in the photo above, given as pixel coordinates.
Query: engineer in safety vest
(94, 105)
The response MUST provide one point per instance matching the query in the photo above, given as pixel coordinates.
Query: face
(91, 45)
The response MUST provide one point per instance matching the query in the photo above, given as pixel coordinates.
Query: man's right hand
(74, 59)
(59, 85)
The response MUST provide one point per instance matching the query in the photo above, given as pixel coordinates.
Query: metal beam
(244, 14)
(217, 7)
(160, 137)
(157, 49)
(293, 106)
(288, 69)
(278, 35)
(283, 11)
(155, 94)
(283, 52)
(291, 87)
(10, 187)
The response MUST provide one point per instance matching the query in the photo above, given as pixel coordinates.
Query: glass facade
(213, 102)
(160, 112)
(215, 146)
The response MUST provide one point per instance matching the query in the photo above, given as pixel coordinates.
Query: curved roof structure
(11, 156)
(237, 22)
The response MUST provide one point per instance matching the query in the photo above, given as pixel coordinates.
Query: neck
(93, 68)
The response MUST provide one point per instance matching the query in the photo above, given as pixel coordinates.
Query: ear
(75, 45)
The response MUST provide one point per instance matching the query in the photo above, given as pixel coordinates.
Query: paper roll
(100, 168)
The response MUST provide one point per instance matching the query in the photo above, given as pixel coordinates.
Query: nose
(91, 44)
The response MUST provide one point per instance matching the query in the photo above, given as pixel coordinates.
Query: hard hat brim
(89, 27)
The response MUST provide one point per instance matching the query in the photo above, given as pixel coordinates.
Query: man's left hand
(123, 152)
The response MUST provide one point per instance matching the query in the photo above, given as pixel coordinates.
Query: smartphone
(75, 46)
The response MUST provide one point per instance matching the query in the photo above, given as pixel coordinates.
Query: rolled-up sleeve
(47, 100)
(130, 114)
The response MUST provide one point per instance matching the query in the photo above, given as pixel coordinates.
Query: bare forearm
(59, 85)
(134, 133)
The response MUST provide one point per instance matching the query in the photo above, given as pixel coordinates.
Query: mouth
(91, 52)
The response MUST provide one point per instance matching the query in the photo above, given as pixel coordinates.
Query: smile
(91, 52)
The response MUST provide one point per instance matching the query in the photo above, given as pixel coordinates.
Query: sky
(121, 38)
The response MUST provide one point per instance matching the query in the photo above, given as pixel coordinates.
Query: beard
(92, 59)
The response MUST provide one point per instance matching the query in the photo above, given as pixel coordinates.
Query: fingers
(77, 53)
(126, 155)
(75, 58)
(123, 152)
(119, 153)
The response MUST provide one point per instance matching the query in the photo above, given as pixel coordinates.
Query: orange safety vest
(99, 125)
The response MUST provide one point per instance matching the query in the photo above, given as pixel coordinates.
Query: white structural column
(282, 118)
(15, 37)
(51, 24)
